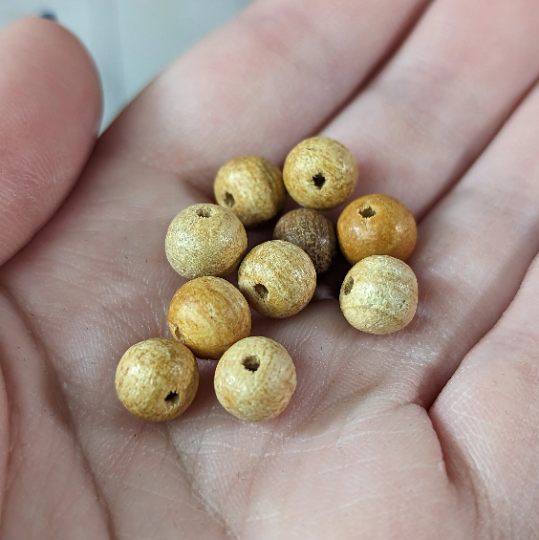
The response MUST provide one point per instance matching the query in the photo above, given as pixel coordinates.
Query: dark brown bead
(312, 232)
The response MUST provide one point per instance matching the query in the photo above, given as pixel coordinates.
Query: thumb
(50, 107)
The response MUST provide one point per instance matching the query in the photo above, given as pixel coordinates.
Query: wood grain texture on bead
(312, 232)
(205, 240)
(255, 379)
(251, 187)
(277, 278)
(208, 315)
(320, 173)
(376, 224)
(157, 379)
(379, 295)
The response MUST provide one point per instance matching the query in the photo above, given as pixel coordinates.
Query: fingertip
(50, 105)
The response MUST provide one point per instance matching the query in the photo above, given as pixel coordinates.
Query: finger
(474, 250)
(50, 107)
(486, 418)
(259, 85)
(432, 110)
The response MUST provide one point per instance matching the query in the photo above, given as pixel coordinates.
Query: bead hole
(177, 333)
(229, 199)
(319, 180)
(172, 398)
(261, 291)
(348, 286)
(251, 363)
(203, 212)
(366, 212)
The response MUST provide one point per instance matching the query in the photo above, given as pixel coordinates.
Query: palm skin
(428, 433)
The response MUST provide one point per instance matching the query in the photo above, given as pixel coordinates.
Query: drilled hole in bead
(348, 286)
(172, 398)
(177, 334)
(261, 291)
(366, 212)
(203, 212)
(229, 199)
(319, 180)
(251, 363)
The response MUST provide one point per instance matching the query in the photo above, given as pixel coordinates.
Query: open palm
(432, 432)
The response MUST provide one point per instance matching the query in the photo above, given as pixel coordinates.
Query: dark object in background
(49, 15)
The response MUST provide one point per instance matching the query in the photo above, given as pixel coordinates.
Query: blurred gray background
(131, 41)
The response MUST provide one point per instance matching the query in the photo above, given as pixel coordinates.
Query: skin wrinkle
(209, 508)
(107, 517)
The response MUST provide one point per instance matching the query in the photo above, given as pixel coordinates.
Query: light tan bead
(312, 232)
(320, 173)
(208, 315)
(376, 224)
(251, 187)
(157, 379)
(255, 379)
(379, 295)
(205, 240)
(277, 278)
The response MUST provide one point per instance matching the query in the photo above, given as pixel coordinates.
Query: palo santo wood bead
(320, 173)
(277, 278)
(208, 315)
(157, 379)
(205, 240)
(312, 232)
(376, 225)
(379, 295)
(255, 379)
(251, 187)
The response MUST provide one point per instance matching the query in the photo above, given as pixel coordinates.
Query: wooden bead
(157, 379)
(376, 225)
(255, 379)
(320, 173)
(251, 187)
(208, 315)
(379, 295)
(205, 240)
(277, 278)
(312, 232)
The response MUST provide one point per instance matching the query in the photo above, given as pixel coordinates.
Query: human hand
(430, 432)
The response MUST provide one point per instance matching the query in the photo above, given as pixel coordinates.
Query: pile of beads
(209, 318)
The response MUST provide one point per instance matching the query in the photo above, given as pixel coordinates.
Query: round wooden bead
(312, 232)
(376, 225)
(251, 187)
(255, 379)
(157, 379)
(277, 278)
(320, 173)
(379, 295)
(205, 240)
(208, 315)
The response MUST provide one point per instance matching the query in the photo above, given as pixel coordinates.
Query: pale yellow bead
(255, 379)
(251, 187)
(278, 278)
(379, 295)
(157, 379)
(205, 240)
(320, 173)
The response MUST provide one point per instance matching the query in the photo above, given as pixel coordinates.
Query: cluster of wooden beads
(255, 377)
